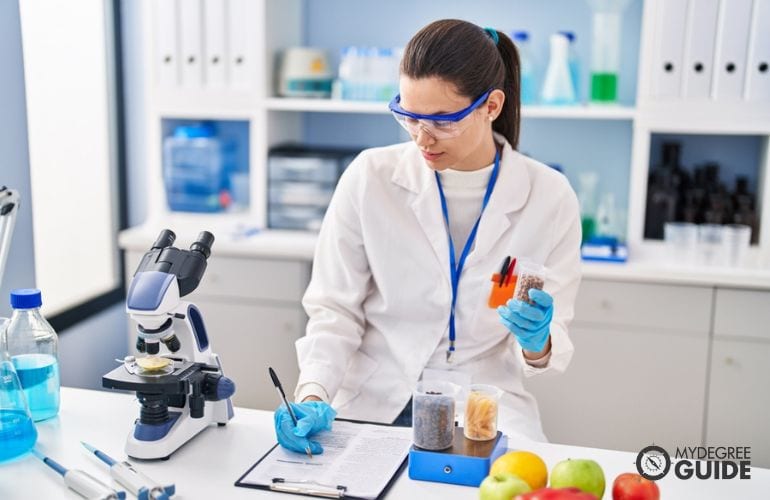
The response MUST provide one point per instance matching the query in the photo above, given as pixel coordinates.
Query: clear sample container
(32, 345)
(481, 410)
(736, 239)
(17, 431)
(681, 242)
(530, 275)
(710, 248)
(433, 414)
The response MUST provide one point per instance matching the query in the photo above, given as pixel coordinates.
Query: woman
(404, 260)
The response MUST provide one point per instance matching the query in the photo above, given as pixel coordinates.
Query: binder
(240, 20)
(732, 44)
(166, 49)
(758, 65)
(669, 48)
(698, 63)
(214, 55)
(191, 42)
(388, 466)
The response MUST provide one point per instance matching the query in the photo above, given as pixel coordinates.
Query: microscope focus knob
(217, 387)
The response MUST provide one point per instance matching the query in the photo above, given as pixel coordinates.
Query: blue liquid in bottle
(39, 376)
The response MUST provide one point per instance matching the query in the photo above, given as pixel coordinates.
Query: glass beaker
(681, 240)
(433, 414)
(17, 431)
(481, 412)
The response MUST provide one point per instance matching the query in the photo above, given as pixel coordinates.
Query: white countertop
(241, 240)
(207, 466)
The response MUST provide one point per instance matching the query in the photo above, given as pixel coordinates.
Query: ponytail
(509, 121)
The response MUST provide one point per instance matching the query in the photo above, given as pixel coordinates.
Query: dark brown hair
(467, 56)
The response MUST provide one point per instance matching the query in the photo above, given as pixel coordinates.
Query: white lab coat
(379, 297)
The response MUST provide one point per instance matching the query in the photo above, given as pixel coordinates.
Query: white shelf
(584, 112)
(326, 105)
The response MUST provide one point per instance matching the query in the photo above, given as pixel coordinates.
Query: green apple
(502, 486)
(579, 473)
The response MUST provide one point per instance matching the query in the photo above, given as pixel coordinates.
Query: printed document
(362, 458)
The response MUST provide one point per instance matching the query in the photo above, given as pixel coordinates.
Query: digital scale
(466, 462)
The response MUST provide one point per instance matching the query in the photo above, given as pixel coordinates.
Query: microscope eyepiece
(165, 239)
(203, 244)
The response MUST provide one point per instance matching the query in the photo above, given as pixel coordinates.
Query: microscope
(178, 380)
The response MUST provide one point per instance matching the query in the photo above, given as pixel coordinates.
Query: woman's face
(473, 148)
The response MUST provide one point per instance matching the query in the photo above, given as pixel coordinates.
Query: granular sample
(524, 283)
(433, 420)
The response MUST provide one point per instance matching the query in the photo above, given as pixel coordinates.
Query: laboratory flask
(17, 431)
(32, 345)
(558, 88)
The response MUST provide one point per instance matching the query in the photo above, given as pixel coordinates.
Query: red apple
(557, 494)
(631, 486)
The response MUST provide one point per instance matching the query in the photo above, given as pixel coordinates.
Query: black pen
(279, 387)
(504, 269)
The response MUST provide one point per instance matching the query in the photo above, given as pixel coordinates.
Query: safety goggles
(443, 126)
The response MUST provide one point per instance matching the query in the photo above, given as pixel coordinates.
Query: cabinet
(639, 370)
(253, 315)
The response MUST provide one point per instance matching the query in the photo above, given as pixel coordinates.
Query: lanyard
(456, 268)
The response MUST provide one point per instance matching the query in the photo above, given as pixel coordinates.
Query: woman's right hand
(312, 417)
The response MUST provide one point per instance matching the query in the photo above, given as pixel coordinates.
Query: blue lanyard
(456, 268)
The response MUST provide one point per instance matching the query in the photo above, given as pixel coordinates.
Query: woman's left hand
(529, 323)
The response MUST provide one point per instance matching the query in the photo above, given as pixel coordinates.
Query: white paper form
(361, 457)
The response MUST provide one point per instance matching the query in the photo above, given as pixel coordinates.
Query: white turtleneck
(464, 192)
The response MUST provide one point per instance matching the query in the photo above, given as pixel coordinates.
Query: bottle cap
(520, 36)
(26, 298)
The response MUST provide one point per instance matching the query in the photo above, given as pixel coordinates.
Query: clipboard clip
(307, 487)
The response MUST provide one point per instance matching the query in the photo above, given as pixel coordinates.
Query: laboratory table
(207, 466)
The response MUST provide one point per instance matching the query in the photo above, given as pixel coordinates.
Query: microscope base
(181, 431)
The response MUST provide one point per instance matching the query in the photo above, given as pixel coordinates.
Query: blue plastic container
(196, 169)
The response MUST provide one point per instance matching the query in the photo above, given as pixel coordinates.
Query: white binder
(732, 43)
(214, 54)
(758, 65)
(669, 48)
(191, 42)
(701, 35)
(166, 50)
(241, 19)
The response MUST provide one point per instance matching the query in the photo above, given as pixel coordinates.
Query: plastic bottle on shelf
(573, 62)
(32, 345)
(558, 88)
(527, 63)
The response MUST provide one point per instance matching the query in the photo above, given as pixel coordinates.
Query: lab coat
(380, 292)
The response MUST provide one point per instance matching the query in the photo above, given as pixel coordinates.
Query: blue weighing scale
(466, 462)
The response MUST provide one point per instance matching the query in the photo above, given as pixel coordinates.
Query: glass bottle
(17, 431)
(32, 345)
(605, 49)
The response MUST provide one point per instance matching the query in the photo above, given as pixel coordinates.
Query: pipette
(82, 482)
(134, 481)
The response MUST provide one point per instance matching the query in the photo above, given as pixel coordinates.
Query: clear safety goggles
(443, 126)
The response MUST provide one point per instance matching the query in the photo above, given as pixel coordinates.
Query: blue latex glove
(312, 417)
(529, 323)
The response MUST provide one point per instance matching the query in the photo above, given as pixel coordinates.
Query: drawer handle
(729, 361)
(605, 304)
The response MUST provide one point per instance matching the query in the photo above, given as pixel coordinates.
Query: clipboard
(314, 488)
